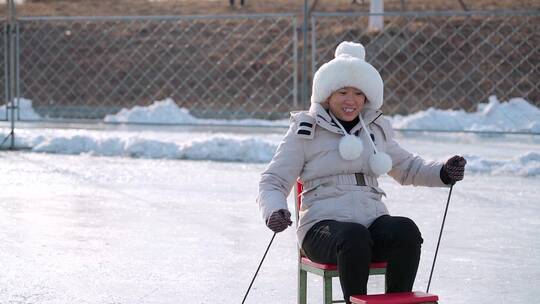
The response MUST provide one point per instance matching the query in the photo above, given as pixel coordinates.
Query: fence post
(295, 63)
(376, 21)
(10, 39)
(304, 53)
(313, 44)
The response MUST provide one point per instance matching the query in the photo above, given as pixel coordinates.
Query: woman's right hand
(279, 220)
(453, 170)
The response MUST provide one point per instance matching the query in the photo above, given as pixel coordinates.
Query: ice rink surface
(95, 229)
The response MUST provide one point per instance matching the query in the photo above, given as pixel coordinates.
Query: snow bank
(26, 112)
(220, 148)
(168, 112)
(228, 149)
(165, 112)
(523, 165)
(248, 148)
(516, 115)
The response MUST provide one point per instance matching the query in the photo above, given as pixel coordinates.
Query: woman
(338, 149)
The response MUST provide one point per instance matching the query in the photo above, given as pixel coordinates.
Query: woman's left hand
(279, 220)
(453, 170)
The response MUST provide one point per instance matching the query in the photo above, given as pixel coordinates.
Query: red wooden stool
(396, 298)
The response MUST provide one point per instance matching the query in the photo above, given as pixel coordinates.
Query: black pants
(353, 247)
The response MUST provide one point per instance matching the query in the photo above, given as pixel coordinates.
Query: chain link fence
(76, 68)
(219, 67)
(444, 60)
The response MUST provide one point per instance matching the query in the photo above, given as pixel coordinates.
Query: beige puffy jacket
(309, 151)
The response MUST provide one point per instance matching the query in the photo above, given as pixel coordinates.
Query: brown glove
(279, 220)
(453, 170)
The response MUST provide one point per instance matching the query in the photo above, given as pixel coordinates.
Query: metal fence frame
(12, 45)
(292, 46)
(4, 65)
(10, 66)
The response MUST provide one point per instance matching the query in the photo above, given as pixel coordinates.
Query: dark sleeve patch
(306, 124)
(304, 132)
(372, 136)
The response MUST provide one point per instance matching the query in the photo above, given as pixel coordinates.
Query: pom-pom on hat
(348, 69)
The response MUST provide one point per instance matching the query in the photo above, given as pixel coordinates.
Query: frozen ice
(129, 214)
(98, 229)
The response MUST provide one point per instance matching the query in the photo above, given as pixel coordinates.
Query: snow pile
(516, 115)
(219, 148)
(524, 165)
(515, 159)
(165, 111)
(168, 112)
(26, 112)
(228, 149)
(518, 158)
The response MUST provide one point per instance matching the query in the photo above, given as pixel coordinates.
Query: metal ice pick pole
(247, 292)
(440, 234)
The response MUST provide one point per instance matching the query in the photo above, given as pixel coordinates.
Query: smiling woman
(344, 106)
(338, 150)
(346, 103)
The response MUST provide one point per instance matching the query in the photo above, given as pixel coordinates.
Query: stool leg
(327, 290)
(302, 286)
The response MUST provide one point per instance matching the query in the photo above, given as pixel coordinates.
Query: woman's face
(346, 103)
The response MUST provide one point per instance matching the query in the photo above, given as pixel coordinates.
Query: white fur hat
(348, 69)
